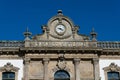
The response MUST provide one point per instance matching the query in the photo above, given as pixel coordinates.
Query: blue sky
(17, 15)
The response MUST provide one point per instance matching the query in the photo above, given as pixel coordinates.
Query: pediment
(112, 67)
(61, 28)
(9, 68)
(60, 32)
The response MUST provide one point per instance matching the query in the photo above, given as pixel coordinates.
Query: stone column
(26, 68)
(96, 68)
(77, 69)
(46, 61)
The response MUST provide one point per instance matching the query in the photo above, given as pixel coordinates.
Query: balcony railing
(11, 43)
(108, 44)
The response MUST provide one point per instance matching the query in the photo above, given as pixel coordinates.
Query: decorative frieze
(57, 44)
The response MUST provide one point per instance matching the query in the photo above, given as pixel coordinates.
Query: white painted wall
(104, 63)
(16, 63)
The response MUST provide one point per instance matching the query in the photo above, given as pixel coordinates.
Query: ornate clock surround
(60, 19)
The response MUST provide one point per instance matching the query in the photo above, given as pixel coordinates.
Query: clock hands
(60, 29)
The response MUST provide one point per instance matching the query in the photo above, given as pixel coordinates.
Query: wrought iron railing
(11, 43)
(108, 44)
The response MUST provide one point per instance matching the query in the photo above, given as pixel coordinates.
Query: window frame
(111, 68)
(9, 68)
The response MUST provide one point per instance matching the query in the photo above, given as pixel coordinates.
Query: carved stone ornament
(61, 62)
(61, 65)
(112, 67)
(8, 68)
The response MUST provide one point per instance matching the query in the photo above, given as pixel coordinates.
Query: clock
(60, 29)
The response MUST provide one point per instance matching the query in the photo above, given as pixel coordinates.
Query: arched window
(113, 76)
(8, 76)
(61, 75)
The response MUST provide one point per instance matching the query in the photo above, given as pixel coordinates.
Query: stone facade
(60, 48)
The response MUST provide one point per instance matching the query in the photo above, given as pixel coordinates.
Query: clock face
(60, 29)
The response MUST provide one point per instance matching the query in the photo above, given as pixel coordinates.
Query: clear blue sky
(17, 15)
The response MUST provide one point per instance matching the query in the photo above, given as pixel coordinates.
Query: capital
(95, 60)
(45, 60)
(76, 60)
(26, 60)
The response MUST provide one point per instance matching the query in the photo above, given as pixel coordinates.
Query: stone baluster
(26, 68)
(46, 61)
(96, 68)
(117, 45)
(76, 66)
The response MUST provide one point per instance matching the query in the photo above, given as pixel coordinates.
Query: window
(61, 75)
(112, 72)
(9, 72)
(8, 76)
(113, 76)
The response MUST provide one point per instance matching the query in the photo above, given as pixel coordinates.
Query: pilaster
(26, 68)
(96, 68)
(46, 61)
(77, 69)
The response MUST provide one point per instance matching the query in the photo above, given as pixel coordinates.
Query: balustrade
(108, 44)
(11, 43)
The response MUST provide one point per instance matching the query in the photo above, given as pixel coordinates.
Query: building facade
(60, 53)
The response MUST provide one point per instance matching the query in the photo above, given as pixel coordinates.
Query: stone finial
(27, 34)
(93, 34)
(60, 12)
